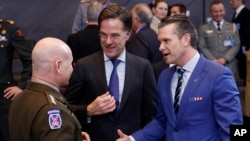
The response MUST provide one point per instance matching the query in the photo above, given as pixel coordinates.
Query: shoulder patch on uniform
(55, 120)
(52, 99)
(85, 1)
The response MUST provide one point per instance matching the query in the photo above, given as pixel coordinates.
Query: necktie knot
(115, 62)
(180, 71)
(218, 26)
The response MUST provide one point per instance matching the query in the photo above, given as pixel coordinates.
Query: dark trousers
(242, 68)
(4, 128)
(4, 110)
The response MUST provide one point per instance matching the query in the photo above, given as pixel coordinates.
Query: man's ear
(186, 39)
(58, 65)
(128, 34)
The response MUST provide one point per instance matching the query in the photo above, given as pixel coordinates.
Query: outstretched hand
(122, 136)
(85, 136)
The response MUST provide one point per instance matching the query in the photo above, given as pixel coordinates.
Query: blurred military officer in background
(11, 40)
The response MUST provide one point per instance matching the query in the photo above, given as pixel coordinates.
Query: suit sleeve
(24, 49)
(155, 129)
(227, 107)
(150, 94)
(73, 93)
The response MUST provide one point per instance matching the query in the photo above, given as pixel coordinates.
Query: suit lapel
(192, 85)
(167, 100)
(129, 77)
(99, 69)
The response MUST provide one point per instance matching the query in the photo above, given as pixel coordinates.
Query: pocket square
(195, 98)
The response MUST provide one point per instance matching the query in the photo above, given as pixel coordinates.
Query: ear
(153, 10)
(186, 38)
(128, 34)
(58, 66)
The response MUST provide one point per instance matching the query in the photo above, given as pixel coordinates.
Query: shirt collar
(139, 29)
(33, 79)
(121, 57)
(221, 23)
(190, 65)
(239, 9)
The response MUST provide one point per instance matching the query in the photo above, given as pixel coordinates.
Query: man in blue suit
(209, 99)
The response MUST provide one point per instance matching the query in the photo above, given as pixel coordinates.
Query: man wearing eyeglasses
(102, 104)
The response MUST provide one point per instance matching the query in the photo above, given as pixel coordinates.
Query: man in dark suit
(86, 41)
(11, 40)
(144, 42)
(190, 107)
(242, 20)
(90, 93)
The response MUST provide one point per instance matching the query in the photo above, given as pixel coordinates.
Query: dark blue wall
(41, 18)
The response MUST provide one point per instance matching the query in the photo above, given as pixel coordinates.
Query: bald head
(49, 57)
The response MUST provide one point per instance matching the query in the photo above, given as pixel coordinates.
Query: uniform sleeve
(234, 49)
(24, 49)
(53, 123)
(202, 47)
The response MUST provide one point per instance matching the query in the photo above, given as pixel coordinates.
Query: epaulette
(85, 1)
(52, 99)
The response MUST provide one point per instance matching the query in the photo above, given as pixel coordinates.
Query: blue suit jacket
(209, 105)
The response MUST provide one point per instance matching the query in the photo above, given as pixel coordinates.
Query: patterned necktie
(180, 72)
(114, 82)
(218, 26)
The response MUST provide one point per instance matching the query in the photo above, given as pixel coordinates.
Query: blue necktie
(180, 72)
(114, 82)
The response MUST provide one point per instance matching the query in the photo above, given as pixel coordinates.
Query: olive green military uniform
(41, 113)
(11, 40)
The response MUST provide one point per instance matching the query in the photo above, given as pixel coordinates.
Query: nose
(108, 40)
(161, 47)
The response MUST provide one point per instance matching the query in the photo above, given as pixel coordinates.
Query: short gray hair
(94, 10)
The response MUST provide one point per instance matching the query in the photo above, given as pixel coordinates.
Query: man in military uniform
(219, 39)
(11, 40)
(44, 114)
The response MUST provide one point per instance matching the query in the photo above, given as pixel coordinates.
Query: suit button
(175, 129)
